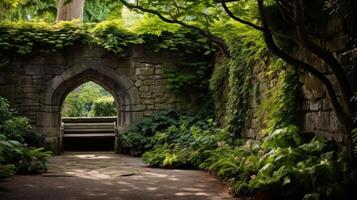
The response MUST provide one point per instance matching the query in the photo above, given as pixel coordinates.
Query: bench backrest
(87, 127)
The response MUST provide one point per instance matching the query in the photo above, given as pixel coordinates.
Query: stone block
(254, 123)
(53, 69)
(159, 66)
(160, 100)
(144, 89)
(333, 122)
(157, 88)
(326, 104)
(150, 107)
(110, 60)
(250, 133)
(33, 69)
(160, 82)
(161, 106)
(144, 71)
(145, 95)
(158, 71)
(147, 113)
(310, 122)
(315, 105)
(25, 80)
(37, 60)
(45, 119)
(148, 101)
(158, 95)
(323, 121)
(126, 71)
(48, 108)
(137, 117)
(138, 83)
(148, 82)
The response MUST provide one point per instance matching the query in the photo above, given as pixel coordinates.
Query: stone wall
(316, 113)
(36, 85)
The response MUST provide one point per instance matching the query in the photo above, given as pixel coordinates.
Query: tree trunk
(70, 11)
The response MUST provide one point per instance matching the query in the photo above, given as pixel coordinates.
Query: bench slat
(89, 130)
(90, 135)
(91, 123)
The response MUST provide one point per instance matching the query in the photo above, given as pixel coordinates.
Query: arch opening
(89, 110)
(128, 107)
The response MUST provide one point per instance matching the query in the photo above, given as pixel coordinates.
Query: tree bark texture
(69, 11)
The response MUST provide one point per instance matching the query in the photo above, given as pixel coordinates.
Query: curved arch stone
(121, 87)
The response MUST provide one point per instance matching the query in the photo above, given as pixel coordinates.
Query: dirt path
(108, 176)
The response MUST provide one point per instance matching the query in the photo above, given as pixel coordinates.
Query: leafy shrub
(15, 128)
(19, 129)
(104, 106)
(283, 166)
(16, 135)
(7, 170)
(5, 113)
(184, 145)
(32, 160)
(138, 139)
(26, 160)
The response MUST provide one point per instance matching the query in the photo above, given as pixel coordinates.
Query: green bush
(26, 160)
(184, 145)
(284, 165)
(15, 128)
(16, 136)
(5, 113)
(138, 140)
(32, 160)
(104, 106)
(19, 129)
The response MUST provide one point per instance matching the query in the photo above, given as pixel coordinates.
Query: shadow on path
(110, 176)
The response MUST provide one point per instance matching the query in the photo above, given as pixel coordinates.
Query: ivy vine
(26, 37)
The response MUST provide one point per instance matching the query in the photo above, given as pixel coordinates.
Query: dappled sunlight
(127, 176)
(90, 156)
(191, 193)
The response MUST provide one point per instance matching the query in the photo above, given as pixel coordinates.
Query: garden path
(110, 176)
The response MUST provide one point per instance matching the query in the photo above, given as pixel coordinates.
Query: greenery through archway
(89, 100)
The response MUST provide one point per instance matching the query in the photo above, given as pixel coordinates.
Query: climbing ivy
(113, 37)
(189, 76)
(279, 109)
(247, 48)
(248, 51)
(25, 37)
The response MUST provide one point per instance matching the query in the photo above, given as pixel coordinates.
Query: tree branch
(344, 118)
(218, 41)
(223, 2)
(324, 55)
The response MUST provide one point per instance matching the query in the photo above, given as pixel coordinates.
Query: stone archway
(36, 85)
(122, 88)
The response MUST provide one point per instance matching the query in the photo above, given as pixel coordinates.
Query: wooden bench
(94, 127)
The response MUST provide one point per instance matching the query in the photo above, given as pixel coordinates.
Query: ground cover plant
(20, 147)
(283, 165)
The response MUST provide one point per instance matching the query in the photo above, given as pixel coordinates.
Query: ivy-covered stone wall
(36, 84)
(317, 113)
(262, 93)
